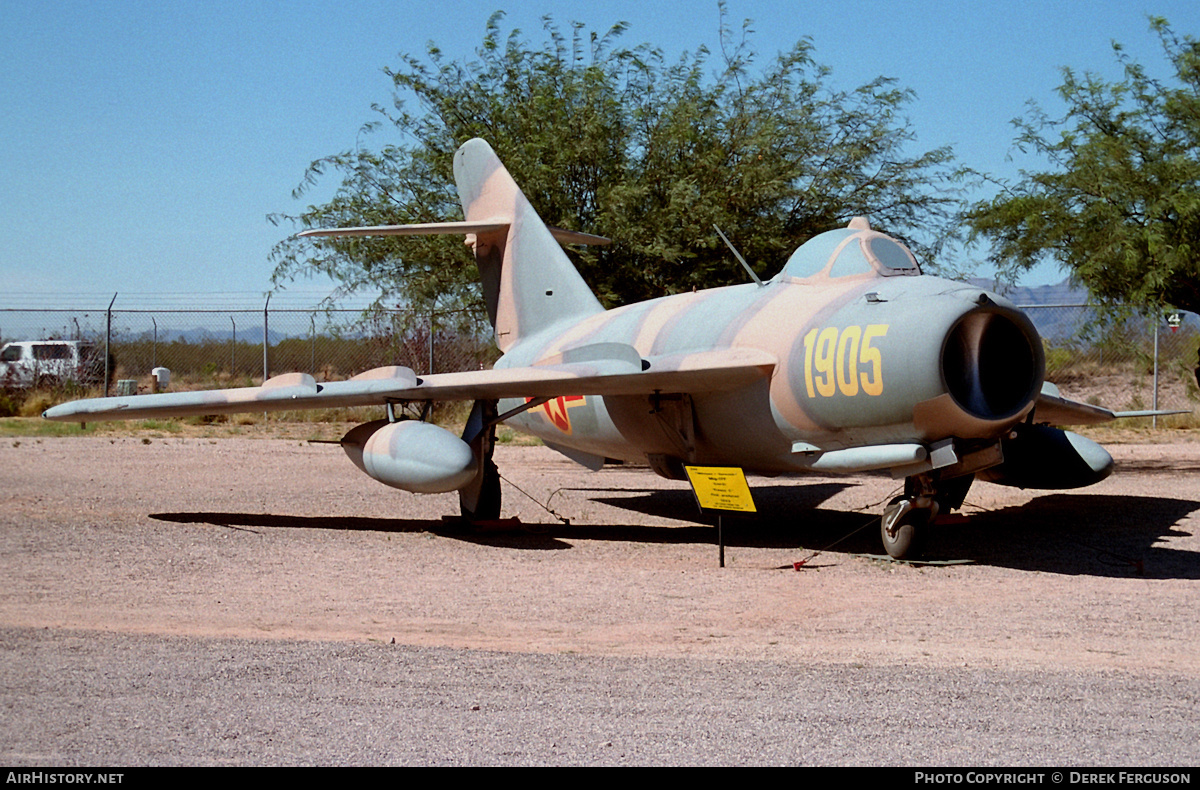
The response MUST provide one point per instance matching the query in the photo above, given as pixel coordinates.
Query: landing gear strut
(480, 501)
(907, 518)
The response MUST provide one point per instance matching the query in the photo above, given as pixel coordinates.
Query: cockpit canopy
(850, 251)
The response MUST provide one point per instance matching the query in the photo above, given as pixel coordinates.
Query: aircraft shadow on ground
(679, 505)
(1099, 535)
(1084, 534)
(524, 536)
(1087, 534)
(251, 522)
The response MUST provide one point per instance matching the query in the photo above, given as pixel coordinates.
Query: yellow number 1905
(832, 357)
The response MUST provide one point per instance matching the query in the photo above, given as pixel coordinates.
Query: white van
(50, 363)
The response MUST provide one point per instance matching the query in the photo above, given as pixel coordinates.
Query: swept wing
(1053, 409)
(616, 371)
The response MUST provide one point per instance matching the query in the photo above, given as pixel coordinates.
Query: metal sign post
(720, 488)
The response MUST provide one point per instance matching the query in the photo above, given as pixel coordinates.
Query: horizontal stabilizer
(423, 229)
(709, 371)
(563, 236)
(450, 228)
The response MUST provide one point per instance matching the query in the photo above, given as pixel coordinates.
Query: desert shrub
(10, 403)
(36, 402)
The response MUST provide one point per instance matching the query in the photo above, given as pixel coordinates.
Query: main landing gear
(480, 501)
(907, 518)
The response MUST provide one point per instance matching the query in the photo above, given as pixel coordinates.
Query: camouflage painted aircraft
(848, 360)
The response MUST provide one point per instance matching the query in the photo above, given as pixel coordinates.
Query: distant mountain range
(1024, 295)
(199, 334)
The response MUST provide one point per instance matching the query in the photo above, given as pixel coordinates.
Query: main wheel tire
(487, 508)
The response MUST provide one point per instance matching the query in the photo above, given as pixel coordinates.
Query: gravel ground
(202, 601)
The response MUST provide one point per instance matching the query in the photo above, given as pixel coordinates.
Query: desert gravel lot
(212, 601)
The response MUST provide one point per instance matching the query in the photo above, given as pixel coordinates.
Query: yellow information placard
(721, 488)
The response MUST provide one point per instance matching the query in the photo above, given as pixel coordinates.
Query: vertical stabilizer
(528, 281)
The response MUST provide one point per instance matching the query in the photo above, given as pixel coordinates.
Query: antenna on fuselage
(738, 255)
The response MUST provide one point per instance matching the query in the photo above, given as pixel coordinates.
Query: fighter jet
(846, 361)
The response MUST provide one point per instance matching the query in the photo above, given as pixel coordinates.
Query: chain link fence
(222, 348)
(1120, 359)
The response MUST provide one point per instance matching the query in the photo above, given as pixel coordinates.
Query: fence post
(265, 306)
(232, 347)
(430, 342)
(108, 343)
(394, 340)
(1154, 418)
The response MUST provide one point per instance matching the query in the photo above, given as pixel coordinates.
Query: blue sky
(144, 143)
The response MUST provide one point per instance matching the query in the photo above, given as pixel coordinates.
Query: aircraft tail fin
(529, 283)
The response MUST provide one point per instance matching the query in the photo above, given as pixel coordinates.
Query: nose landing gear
(904, 525)
(906, 519)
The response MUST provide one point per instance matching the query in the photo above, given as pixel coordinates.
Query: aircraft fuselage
(862, 360)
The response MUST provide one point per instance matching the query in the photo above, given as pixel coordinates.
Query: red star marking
(555, 410)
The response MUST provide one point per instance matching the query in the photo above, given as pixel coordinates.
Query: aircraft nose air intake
(993, 363)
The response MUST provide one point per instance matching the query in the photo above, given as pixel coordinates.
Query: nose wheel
(904, 525)
(907, 518)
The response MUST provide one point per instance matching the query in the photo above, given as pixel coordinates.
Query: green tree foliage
(1120, 205)
(623, 143)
